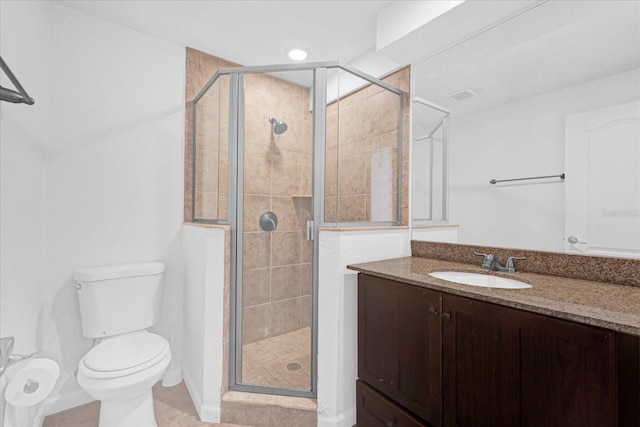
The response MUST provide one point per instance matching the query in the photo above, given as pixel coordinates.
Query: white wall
(23, 140)
(114, 169)
(338, 315)
(521, 139)
(92, 174)
(204, 258)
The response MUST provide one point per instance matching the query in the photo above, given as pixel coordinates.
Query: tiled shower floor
(282, 361)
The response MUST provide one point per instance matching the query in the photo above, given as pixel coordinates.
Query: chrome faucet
(490, 262)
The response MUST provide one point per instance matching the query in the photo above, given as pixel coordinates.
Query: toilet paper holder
(7, 357)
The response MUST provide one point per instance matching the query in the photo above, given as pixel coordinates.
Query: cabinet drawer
(375, 410)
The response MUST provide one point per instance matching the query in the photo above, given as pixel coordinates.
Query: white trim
(346, 419)
(206, 413)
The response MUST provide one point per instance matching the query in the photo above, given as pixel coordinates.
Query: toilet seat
(124, 355)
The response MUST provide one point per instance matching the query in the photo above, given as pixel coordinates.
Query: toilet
(117, 304)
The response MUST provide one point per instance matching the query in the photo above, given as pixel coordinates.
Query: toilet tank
(118, 299)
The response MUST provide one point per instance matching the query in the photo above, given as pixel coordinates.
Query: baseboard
(54, 404)
(209, 414)
(206, 413)
(346, 419)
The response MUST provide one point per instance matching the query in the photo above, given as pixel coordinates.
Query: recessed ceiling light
(297, 54)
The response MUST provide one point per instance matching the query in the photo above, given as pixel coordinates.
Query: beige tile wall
(277, 178)
(211, 137)
(358, 125)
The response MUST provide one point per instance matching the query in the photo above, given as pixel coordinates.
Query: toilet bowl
(117, 304)
(120, 372)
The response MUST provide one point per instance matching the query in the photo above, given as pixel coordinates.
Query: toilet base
(136, 411)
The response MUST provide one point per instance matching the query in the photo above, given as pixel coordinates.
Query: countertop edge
(565, 310)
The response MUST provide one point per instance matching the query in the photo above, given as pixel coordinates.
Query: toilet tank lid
(93, 274)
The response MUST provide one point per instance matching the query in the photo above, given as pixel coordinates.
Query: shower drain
(295, 366)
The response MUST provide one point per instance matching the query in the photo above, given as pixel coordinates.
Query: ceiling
(553, 46)
(373, 36)
(250, 32)
(502, 50)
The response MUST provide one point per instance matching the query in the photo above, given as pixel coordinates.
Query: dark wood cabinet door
(420, 352)
(567, 373)
(480, 364)
(378, 332)
(628, 379)
(399, 344)
(507, 367)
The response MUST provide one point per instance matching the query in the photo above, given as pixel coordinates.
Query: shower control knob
(268, 221)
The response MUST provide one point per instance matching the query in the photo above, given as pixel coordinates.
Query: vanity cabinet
(451, 361)
(506, 367)
(399, 346)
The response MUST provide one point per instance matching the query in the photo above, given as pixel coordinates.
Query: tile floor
(173, 408)
(265, 362)
(282, 361)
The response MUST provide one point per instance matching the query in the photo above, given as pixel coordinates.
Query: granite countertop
(606, 305)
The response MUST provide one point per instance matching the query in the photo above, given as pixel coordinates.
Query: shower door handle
(310, 230)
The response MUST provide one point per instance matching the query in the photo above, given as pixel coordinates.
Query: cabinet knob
(446, 316)
(432, 311)
(390, 423)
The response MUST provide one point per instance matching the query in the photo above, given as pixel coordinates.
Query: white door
(602, 184)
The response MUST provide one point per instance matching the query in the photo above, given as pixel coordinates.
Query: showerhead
(278, 127)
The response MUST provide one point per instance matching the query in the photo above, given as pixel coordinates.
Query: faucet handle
(486, 256)
(510, 263)
(487, 260)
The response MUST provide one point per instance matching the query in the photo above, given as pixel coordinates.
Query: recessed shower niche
(278, 152)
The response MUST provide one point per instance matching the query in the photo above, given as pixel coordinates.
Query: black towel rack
(495, 181)
(20, 97)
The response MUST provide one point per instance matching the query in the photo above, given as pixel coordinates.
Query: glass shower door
(274, 272)
(264, 139)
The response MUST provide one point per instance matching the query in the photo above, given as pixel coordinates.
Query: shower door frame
(236, 202)
(445, 123)
(236, 122)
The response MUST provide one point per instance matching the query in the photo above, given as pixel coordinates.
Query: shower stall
(430, 142)
(278, 152)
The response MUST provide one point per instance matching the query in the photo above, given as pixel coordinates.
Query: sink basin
(479, 279)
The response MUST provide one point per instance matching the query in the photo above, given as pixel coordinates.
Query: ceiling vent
(463, 94)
